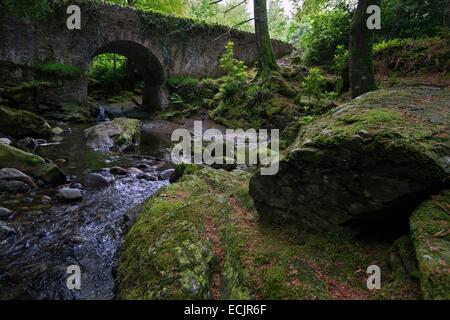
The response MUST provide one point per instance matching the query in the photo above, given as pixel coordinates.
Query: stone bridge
(160, 46)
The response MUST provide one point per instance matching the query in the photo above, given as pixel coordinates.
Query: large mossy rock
(31, 164)
(121, 134)
(430, 230)
(366, 160)
(22, 123)
(200, 238)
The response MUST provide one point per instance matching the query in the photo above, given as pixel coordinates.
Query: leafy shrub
(236, 77)
(259, 92)
(307, 119)
(413, 19)
(393, 79)
(176, 99)
(340, 66)
(313, 84)
(327, 30)
(340, 59)
(388, 44)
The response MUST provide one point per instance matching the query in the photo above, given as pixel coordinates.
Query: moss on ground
(430, 230)
(201, 238)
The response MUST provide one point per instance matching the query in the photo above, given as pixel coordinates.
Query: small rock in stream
(70, 194)
(118, 171)
(166, 174)
(14, 186)
(5, 230)
(135, 171)
(148, 177)
(46, 199)
(5, 141)
(96, 180)
(27, 144)
(12, 174)
(5, 213)
(143, 166)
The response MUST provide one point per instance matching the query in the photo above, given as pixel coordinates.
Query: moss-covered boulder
(200, 238)
(22, 123)
(367, 160)
(31, 164)
(25, 95)
(430, 230)
(121, 134)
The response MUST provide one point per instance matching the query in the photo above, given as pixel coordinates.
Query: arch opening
(135, 66)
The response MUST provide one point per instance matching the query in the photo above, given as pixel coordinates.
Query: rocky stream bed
(46, 233)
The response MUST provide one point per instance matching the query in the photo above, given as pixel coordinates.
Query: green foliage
(341, 58)
(36, 9)
(388, 44)
(176, 99)
(340, 66)
(181, 81)
(236, 77)
(307, 119)
(310, 8)
(174, 7)
(393, 79)
(326, 31)
(102, 72)
(400, 19)
(278, 22)
(59, 70)
(407, 56)
(314, 83)
(413, 19)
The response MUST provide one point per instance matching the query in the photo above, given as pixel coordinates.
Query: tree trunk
(266, 57)
(362, 75)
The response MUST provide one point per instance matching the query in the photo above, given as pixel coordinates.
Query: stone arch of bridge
(146, 64)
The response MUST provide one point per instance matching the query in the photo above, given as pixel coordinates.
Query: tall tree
(361, 70)
(266, 57)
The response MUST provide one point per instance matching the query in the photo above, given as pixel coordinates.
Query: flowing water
(52, 235)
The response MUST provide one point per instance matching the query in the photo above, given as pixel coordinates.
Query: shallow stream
(50, 235)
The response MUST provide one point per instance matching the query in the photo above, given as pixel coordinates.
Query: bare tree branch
(235, 6)
(233, 27)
